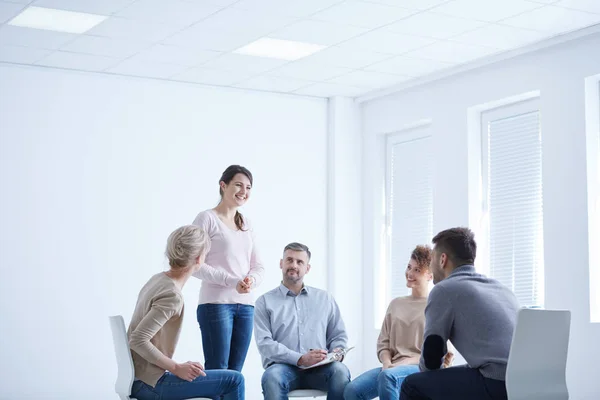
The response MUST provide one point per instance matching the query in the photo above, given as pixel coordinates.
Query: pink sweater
(232, 257)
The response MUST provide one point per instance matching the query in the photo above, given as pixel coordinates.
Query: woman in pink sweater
(232, 270)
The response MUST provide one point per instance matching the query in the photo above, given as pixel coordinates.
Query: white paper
(331, 357)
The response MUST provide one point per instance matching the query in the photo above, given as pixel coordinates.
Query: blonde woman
(156, 324)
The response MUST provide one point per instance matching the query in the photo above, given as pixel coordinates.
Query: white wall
(558, 73)
(95, 172)
(345, 221)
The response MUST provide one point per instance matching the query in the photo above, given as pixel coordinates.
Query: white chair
(124, 361)
(537, 361)
(307, 393)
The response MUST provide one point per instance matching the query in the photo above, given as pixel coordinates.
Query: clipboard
(331, 357)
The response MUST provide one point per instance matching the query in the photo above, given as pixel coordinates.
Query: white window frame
(417, 131)
(592, 117)
(479, 117)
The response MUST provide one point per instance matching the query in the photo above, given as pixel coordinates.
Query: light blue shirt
(287, 326)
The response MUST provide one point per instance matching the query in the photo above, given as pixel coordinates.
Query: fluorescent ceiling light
(56, 20)
(280, 49)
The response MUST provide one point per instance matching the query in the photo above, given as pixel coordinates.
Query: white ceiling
(372, 44)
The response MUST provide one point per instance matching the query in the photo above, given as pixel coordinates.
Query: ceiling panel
(124, 28)
(434, 25)
(499, 36)
(212, 76)
(103, 46)
(367, 15)
(273, 84)
(37, 38)
(174, 12)
(140, 67)
(168, 54)
(370, 44)
(309, 70)
(85, 62)
(102, 7)
(451, 52)
(245, 21)
(412, 4)
(318, 32)
(22, 55)
(324, 89)
(414, 67)
(382, 41)
(290, 8)
(200, 37)
(490, 11)
(552, 19)
(346, 55)
(369, 79)
(244, 63)
(582, 5)
(10, 10)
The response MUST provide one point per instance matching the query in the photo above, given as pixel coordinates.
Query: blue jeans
(226, 334)
(375, 382)
(280, 379)
(228, 385)
(460, 382)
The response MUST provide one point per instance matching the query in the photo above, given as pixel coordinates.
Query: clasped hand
(245, 286)
(189, 370)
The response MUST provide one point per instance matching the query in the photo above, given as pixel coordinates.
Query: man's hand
(448, 358)
(339, 353)
(189, 371)
(387, 365)
(242, 287)
(312, 357)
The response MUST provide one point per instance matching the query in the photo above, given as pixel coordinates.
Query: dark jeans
(280, 379)
(455, 383)
(226, 385)
(226, 334)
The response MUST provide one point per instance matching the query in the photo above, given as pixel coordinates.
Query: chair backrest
(124, 361)
(538, 356)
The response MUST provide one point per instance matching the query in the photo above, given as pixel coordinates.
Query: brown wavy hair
(422, 255)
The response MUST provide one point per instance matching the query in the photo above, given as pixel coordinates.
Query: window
(592, 117)
(409, 203)
(512, 199)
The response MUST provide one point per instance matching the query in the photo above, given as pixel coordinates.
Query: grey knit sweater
(478, 314)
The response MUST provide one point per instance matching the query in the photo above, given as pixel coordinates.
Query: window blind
(514, 166)
(410, 205)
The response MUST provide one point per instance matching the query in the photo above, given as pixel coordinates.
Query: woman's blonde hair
(185, 245)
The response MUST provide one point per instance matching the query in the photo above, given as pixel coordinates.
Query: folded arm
(163, 309)
(439, 318)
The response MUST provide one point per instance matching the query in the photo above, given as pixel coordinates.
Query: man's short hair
(295, 246)
(458, 243)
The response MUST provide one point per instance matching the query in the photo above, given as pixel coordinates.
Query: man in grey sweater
(476, 313)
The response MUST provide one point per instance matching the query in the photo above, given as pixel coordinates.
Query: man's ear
(307, 268)
(443, 260)
(281, 263)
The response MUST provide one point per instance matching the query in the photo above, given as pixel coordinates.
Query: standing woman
(233, 268)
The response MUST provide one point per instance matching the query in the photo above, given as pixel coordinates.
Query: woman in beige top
(401, 338)
(155, 327)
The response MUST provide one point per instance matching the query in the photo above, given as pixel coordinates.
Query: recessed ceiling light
(56, 20)
(280, 49)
